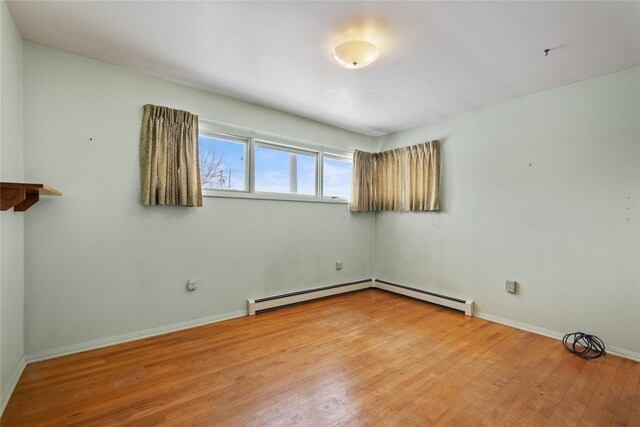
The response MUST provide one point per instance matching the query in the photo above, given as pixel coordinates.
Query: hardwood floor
(369, 358)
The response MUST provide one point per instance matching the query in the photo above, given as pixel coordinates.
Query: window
(285, 170)
(247, 166)
(336, 177)
(223, 162)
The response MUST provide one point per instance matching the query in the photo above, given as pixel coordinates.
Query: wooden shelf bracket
(21, 196)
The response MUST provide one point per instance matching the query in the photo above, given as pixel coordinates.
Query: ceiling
(437, 59)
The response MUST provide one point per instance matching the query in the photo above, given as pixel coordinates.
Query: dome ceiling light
(355, 54)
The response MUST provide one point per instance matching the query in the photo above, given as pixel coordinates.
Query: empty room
(319, 213)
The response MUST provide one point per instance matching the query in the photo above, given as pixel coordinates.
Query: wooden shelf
(21, 196)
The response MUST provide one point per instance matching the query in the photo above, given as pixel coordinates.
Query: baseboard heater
(465, 306)
(268, 303)
(259, 305)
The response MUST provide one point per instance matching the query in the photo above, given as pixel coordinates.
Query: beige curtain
(404, 179)
(362, 181)
(169, 164)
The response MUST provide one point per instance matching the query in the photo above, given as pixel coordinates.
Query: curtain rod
(264, 133)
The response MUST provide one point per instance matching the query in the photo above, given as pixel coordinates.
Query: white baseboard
(7, 391)
(283, 300)
(119, 339)
(464, 305)
(615, 351)
(104, 342)
(276, 301)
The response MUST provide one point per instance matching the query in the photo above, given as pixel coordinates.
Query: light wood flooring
(367, 358)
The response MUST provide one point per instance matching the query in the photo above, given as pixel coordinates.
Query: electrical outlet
(338, 265)
(510, 286)
(192, 285)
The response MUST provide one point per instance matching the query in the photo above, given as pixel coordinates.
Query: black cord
(584, 345)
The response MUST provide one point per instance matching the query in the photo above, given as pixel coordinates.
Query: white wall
(11, 223)
(544, 190)
(99, 264)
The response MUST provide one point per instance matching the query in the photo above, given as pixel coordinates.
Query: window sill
(273, 196)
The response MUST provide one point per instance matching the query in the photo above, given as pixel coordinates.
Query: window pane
(282, 171)
(336, 179)
(222, 162)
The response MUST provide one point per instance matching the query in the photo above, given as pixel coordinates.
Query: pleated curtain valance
(403, 179)
(169, 164)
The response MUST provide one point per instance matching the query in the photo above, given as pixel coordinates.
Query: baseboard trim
(119, 339)
(466, 306)
(255, 306)
(13, 382)
(302, 296)
(614, 351)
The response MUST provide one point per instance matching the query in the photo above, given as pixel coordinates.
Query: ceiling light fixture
(355, 54)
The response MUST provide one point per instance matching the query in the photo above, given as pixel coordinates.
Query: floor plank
(369, 358)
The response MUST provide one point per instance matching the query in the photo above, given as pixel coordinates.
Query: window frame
(247, 152)
(340, 158)
(287, 149)
(253, 141)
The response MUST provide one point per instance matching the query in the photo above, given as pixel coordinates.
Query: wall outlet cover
(510, 286)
